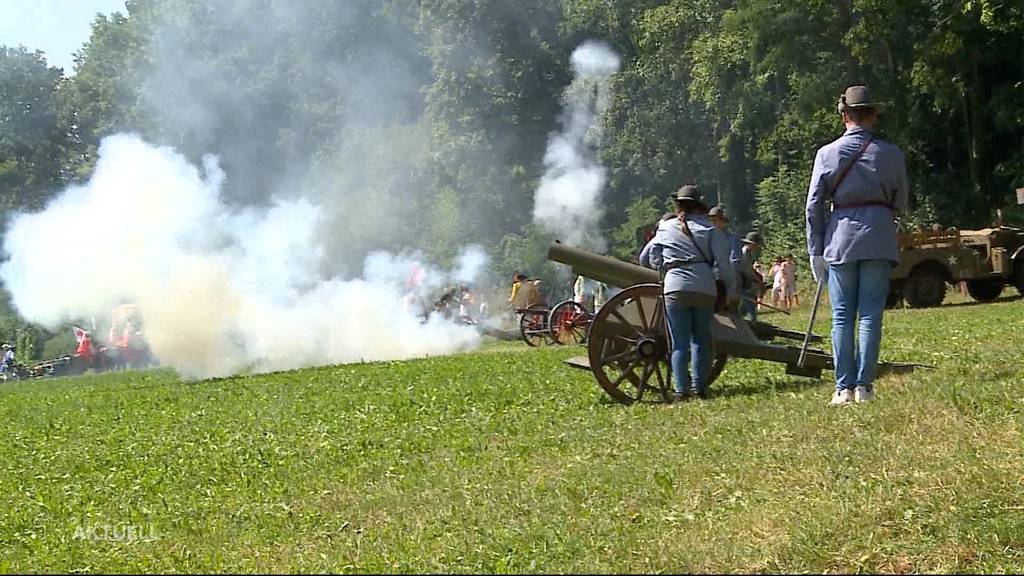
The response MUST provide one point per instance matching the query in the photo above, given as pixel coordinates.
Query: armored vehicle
(987, 260)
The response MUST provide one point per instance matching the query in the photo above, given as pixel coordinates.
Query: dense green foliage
(435, 113)
(506, 460)
(33, 142)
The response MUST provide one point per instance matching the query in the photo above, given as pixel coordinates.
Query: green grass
(505, 460)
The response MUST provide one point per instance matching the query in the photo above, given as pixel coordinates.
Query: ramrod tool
(810, 325)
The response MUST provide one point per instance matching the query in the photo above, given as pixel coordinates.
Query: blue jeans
(857, 289)
(691, 330)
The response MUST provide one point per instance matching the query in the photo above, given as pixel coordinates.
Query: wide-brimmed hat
(718, 211)
(690, 193)
(753, 238)
(857, 98)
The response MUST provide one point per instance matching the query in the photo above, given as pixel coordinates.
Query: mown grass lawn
(505, 460)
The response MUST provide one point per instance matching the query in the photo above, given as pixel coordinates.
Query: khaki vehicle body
(987, 260)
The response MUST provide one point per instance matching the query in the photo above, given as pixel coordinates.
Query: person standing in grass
(692, 255)
(721, 223)
(854, 249)
(794, 288)
(579, 294)
(759, 270)
(515, 299)
(750, 281)
(776, 274)
(599, 289)
(7, 365)
(788, 278)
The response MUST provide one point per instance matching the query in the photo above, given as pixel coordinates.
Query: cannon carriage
(628, 345)
(533, 324)
(564, 323)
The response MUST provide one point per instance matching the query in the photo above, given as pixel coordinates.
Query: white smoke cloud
(220, 290)
(471, 263)
(568, 200)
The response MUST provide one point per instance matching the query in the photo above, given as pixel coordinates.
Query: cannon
(628, 346)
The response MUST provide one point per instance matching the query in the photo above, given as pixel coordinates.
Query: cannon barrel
(607, 269)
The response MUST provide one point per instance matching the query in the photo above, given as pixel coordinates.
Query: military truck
(987, 260)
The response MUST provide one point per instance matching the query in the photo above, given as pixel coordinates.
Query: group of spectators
(785, 294)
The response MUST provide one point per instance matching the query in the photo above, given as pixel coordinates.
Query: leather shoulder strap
(849, 165)
(689, 234)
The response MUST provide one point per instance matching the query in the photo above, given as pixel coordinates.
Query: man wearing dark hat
(692, 256)
(721, 223)
(854, 249)
(750, 280)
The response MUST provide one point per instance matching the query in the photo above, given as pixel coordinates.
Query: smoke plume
(568, 200)
(221, 289)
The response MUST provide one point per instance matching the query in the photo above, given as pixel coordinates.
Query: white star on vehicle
(952, 260)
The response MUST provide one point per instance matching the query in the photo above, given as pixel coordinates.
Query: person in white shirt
(777, 276)
(8, 361)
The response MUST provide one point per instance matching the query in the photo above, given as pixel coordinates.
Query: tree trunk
(851, 69)
(979, 202)
(980, 173)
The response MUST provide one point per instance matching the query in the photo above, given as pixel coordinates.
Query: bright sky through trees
(56, 27)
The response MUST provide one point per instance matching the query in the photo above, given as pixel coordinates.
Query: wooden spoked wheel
(533, 325)
(628, 346)
(718, 360)
(569, 322)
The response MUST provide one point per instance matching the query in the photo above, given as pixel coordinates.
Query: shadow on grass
(976, 303)
(968, 303)
(790, 384)
(761, 387)
(608, 402)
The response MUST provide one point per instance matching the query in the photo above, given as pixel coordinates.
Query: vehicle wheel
(628, 346)
(925, 288)
(568, 322)
(533, 325)
(1018, 275)
(895, 296)
(718, 360)
(985, 290)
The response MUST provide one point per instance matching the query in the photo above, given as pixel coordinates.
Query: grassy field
(505, 460)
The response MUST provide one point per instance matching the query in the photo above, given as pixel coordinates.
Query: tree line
(440, 109)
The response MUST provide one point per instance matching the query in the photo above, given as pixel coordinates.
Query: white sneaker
(862, 394)
(844, 396)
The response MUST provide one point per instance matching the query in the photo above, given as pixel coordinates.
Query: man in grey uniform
(855, 248)
(693, 256)
(721, 222)
(750, 279)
